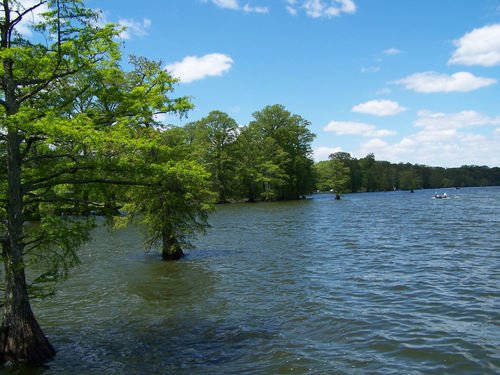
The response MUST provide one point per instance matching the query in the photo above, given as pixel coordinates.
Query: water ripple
(390, 283)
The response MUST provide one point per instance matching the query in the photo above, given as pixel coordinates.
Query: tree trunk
(171, 249)
(220, 185)
(21, 339)
(222, 195)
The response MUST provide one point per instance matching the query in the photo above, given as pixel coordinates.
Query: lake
(388, 283)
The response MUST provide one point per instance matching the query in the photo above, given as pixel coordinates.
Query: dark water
(379, 283)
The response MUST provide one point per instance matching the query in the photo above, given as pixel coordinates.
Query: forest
(346, 174)
(271, 159)
(80, 138)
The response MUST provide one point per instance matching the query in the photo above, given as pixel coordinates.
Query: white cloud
(249, 9)
(322, 153)
(235, 5)
(435, 135)
(133, 28)
(379, 108)
(356, 128)
(32, 18)
(376, 67)
(391, 51)
(193, 68)
(446, 148)
(291, 10)
(229, 4)
(370, 69)
(161, 117)
(442, 141)
(384, 91)
(464, 119)
(429, 82)
(479, 47)
(373, 145)
(322, 8)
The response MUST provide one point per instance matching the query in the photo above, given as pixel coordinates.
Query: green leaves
(178, 202)
(82, 139)
(50, 248)
(333, 175)
(213, 138)
(281, 153)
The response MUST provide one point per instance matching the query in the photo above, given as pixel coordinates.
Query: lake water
(387, 283)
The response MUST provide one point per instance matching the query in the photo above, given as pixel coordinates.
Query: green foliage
(269, 159)
(409, 179)
(293, 138)
(51, 249)
(81, 137)
(213, 138)
(368, 174)
(322, 175)
(178, 202)
(275, 156)
(332, 175)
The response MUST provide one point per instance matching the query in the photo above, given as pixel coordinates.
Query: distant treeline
(344, 173)
(271, 159)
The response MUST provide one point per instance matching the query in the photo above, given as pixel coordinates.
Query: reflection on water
(376, 283)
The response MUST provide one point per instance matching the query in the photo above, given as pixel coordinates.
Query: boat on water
(440, 196)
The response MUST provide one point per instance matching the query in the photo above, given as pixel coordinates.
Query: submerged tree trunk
(222, 196)
(171, 249)
(21, 338)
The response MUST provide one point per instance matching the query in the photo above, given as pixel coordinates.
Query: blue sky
(410, 81)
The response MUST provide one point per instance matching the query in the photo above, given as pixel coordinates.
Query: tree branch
(87, 181)
(43, 83)
(37, 240)
(20, 15)
(50, 156)
(55, 175)
(62, 199)
(30, 142)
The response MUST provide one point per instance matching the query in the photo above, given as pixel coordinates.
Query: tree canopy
(78, 137)
(268, 159)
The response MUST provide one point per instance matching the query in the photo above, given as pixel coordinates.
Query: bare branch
(20, 15)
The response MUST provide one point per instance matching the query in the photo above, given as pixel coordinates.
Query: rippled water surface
(389, 283)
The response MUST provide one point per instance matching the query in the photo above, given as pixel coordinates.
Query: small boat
(440, 196)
